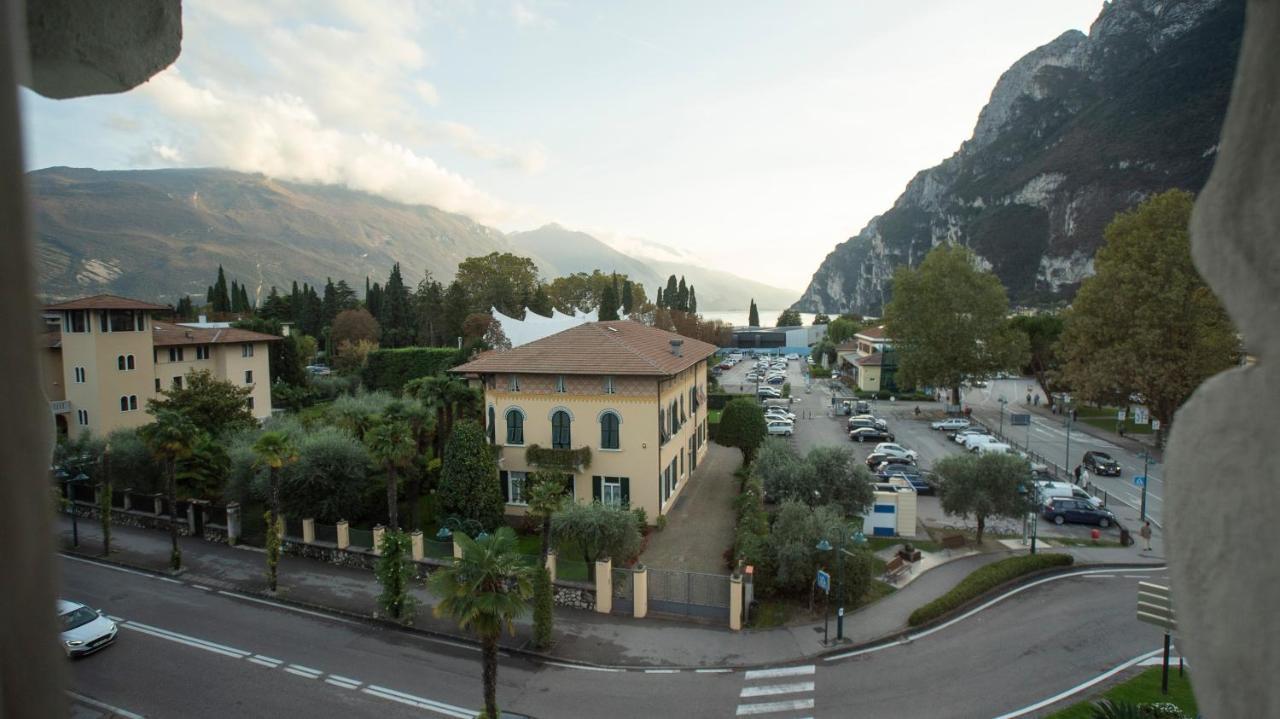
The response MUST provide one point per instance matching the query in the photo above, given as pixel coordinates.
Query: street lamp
(824, 546)
(1030, 492)
(68, 482)
(1146, 463)
(1002, 402)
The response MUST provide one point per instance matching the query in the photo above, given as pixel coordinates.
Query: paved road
(190, 652)
(1049, 438)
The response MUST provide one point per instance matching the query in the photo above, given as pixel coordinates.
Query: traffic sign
(1155, 425)
(1139, 480)
(1155, 606)
(1120, 415)
(1019, 419)
(824, 581)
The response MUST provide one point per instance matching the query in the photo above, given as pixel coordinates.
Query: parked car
(919, 480)
(776, 379)
(862, 434)
(318, 369)
(1054, 490)
(878, 461)
(767, 391)
(959, 437)
(953, 424)
(993, 448)
(1101, 463)
(862, 407)
(779, 413)
(973, 441)
(84, 631)
(866, 420)
(781, 427)
(1061, 510)
(896, 450)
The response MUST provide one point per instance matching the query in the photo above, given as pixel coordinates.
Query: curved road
(186, 651)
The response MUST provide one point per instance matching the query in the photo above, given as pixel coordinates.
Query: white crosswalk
(777, 691)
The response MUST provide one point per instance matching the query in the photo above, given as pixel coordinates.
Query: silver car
(84, 631)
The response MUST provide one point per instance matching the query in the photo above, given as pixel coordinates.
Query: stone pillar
(378, 531)
(735, 602)
(309, 531)
(191, 518)
(157, 506)
(344, 534)
(457, 550)
(233, 523)
(128, 498)
(416, 542)
(640, 592)
(551, 564)
(604, 586)
(280, 527)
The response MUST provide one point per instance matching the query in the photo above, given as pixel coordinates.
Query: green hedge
(389, 369)
(983, 580)
(717, 400)
(713, 430)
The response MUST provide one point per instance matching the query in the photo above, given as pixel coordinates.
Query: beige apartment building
(633, 395)
(107, 357)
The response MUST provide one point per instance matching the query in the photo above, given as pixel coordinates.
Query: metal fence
(216, 515)
(293, 528)
(689, 593)
(327, 533)
(623, 591)
(361, 538)
(436, 549)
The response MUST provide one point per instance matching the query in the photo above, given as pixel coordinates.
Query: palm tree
(453, 399)
(275, 450)
(422, 430)
(170, 438)
(391, 445)
(485, 590)
(546, 495)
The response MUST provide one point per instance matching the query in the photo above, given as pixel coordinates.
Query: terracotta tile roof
(169, 335)
(105, 302)
(849, 346)
(874, 333)
(50, 340)
(619, 347)
(875, 359)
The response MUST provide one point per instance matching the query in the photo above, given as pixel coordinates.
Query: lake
(738, 318)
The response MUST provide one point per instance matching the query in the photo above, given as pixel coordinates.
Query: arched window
(515, 426)
(492, 429)
(133, 401)
(560, 430)
(124, 403)
(120, 363)
(609, 435)
(128, 361)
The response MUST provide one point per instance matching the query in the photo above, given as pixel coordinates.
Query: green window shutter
(506, 486)
(596, 496)
(626, 491)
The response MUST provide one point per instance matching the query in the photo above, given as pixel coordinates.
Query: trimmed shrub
(543, 608)
(717, 400)
(983, 580)
(389, 369)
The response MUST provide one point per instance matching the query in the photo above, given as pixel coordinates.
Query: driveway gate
(694, 594)
(623, 591)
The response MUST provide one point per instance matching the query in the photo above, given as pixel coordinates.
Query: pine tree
(346, 297)
(373, 300)
(627, 299)
(754, 319)
(394, 315)
(329, 302)
(275, 307)
(693, 301)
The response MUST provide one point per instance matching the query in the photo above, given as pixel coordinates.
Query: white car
(994, 448)
(84, 631)
(781, 427)
(780, 413)
(959, 437)
(896, 450)
(974, 441)
(767, 391)
(953, 424)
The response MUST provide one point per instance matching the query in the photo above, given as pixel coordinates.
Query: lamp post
(1146, 463)
(1002, 402)
(1030, 492)
(824, 546)
(69, 483)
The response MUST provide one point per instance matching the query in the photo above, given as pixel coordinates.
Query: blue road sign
(1019, 419)
(1139, 480)
(824, 581)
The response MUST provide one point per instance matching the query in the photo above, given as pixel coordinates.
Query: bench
(953, 541)
(895, 568)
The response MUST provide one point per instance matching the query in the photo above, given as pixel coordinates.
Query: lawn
(1105, 418)
(780, 612)
(713, 416)
(1143, 688)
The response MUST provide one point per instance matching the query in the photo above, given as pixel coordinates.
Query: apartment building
(633, 395)
(108, 357)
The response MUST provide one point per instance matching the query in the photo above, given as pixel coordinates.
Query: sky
(748, 136)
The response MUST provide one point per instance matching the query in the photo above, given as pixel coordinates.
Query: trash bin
(1126, 539)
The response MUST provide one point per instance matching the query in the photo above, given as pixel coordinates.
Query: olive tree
(985, 486)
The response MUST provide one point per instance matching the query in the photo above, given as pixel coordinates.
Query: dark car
(1061, 510)
(919, 481)
(875, 459)
(875, 434)
(1101, 463)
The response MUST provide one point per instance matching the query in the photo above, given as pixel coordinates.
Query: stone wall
(575, 595)
(135, 518)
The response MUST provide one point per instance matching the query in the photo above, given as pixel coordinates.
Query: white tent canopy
(535, 326)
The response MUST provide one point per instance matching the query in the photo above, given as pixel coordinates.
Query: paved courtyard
(700, 526)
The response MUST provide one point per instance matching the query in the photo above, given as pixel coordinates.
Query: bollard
(735, 602)
(233, 523)
(416, 539)
(640, 592)
(344, 534)
(308, 531)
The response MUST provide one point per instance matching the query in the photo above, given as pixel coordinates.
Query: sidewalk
(605, 640)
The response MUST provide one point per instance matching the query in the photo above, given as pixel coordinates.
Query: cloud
(120, 123)
(427, 92)
(526, 17)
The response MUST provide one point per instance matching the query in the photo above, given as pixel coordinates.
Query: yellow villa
(632, 395)
(107, 357)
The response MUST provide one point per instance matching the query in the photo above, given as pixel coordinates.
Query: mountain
(1075, 131)
(560, 251)
(159, 234)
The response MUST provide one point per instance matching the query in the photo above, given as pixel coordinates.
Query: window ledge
(604, 449)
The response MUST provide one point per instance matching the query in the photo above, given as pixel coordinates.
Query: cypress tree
(221, 298)
(672, 295)
(608, 304)
(693, 301)
(330, 302)
(658, 302)
(627, 298)
(682, 296)
(208, 296)
(754, 319)
(235, 297)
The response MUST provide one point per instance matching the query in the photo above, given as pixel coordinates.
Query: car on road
(918, 480)
(952, 424)
(862, 434)
(84, 631)
(1061, 510)
(781, 427)
(897, 450)
(1101, 463)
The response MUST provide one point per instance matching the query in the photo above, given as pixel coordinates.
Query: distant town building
(104, 357)
(782, 339)
(869, 360)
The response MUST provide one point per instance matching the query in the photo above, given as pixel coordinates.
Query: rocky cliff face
(1076, 131)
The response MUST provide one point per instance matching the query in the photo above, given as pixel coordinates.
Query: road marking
(302, 674)
(345, 680)
(114, 618)
(713, 671)
(420, 702)
(662, 671)
(171, 581)
(184, 639)
(107, 566)
(774, 707)
(584, 667)
(1101, 576)
(780, 672)
(115, 711)
(263, 662)
(1080, 687)
(344, 685)
(982, 607)
(278, 605)
(775, 689)
(202, 587)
